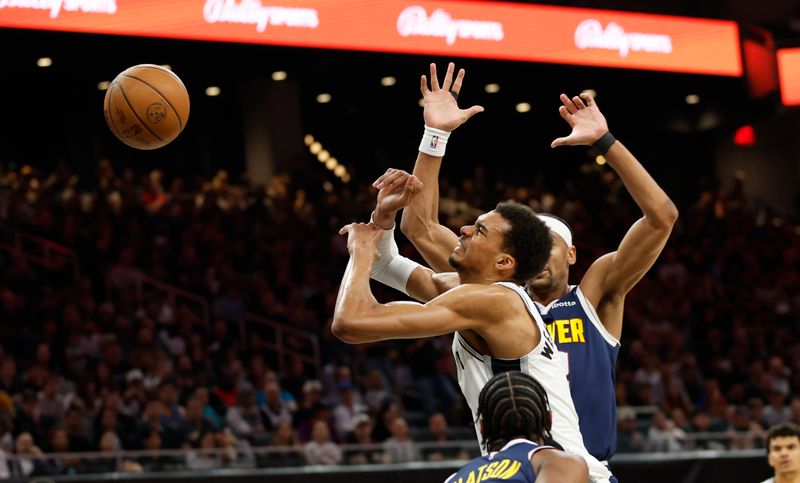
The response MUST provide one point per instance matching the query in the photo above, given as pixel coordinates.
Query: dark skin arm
(555, 466)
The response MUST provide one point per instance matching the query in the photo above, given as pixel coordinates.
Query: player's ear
(572, 255)
(505, 263)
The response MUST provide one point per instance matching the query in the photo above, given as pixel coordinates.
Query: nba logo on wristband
(434, 142)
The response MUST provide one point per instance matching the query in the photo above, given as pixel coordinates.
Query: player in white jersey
(491, 314)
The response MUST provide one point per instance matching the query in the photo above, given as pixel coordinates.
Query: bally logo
(56, 6)
(414, 21)
(590, 34)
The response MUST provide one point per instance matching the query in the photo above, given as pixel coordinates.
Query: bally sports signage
(492, 30)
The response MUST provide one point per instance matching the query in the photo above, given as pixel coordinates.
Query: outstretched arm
(358, 317)
(613, 275)
(420, 221)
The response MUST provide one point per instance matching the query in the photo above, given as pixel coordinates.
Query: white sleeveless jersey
(544, 363)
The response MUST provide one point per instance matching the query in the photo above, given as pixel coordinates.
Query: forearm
(423, 210)
(657, 207)
(355, 297)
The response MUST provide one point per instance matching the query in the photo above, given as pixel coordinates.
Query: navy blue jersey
(512, 463)
(591, 354)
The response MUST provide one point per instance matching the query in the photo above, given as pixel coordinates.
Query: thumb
(472, 111)
(344, 229)
(560, 142)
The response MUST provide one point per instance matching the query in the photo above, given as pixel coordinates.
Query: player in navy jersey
(585, 320)
(514, 416)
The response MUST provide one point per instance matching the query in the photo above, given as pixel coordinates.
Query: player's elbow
(667, 216)
(344, 329)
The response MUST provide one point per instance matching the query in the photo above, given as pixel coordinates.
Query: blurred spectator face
(43, 354)
(24, 443)
(153, 441)
(363, 430)
(201, 394)
(59, 441)
(207, 441)
(168, 394)
(320, 432)
(284, 434)
(272, 392)
(701, 422)
(784, 454)
(437, 425)
(109, 442)
(194, 410)
(399, 429)
(109, 419)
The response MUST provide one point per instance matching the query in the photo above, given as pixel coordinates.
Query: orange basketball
(146, 106)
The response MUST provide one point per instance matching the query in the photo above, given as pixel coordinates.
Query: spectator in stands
(629, 438)
(399, 447)
(30, 459)
(205, 458)
(321, 450)
(285, 441)
(437, 433)
(663, 436)
(275, 408)
(347, 409)
(776, 412)
(362, 435)
(245, 419)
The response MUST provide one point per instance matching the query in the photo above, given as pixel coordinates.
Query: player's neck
(788, 477)
(544, 297)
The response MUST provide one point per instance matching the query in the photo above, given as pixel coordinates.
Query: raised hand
(441, 109)
(587, 122)
(362, 237)
(396, 188)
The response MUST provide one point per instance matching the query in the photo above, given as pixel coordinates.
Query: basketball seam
(110, 114)
(180, 123)
(122, 91)
(160, 69)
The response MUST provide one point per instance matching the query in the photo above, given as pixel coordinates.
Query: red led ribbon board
(491, 30)
(789, 74)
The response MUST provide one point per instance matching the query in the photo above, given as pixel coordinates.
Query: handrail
(140, 281)
(280, 347)
(19, 240)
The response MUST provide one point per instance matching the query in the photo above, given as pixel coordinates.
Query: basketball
(146, 106)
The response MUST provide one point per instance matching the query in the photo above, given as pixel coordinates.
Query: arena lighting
(339, 171)
(279, 75)
(789, 75)
(308, 139)
(523, 107)
(103, 85)
(324, 98)
(388, 81)
(213, 91)
(692, 99)
(600, 160)
(323, 156)
(315, 147)
(331, 164)
(745, 136)
(492, 88)
(44, 62)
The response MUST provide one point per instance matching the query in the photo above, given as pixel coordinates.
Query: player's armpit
(555, 466)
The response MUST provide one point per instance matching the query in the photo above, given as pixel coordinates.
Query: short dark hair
(512, 405)
(782, 430)
(528, 240)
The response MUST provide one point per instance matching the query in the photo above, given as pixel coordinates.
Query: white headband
(558, 227)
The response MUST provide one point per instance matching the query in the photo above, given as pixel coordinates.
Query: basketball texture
(146, 106)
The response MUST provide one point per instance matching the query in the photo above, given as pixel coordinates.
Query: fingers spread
(578, 102)
(459, 80)
(589, 99)
(448, 76)
(566, 115)
(434, 78)
(472, 111)
(568, 104)
(423, 85)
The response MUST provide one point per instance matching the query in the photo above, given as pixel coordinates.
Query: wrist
(384, 221)
(604, 142)
(434, 141)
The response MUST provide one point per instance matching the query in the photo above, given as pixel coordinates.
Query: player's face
(556, 272)
(784, 454)
(480, 243)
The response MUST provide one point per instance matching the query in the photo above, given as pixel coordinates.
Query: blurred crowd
(710, 350)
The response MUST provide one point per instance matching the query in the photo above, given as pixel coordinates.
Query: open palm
(587, 122)
(441, 109)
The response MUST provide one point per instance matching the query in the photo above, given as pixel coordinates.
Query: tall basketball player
(496, 324)
(585, 320)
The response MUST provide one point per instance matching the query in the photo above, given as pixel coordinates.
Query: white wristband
(434, 141)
